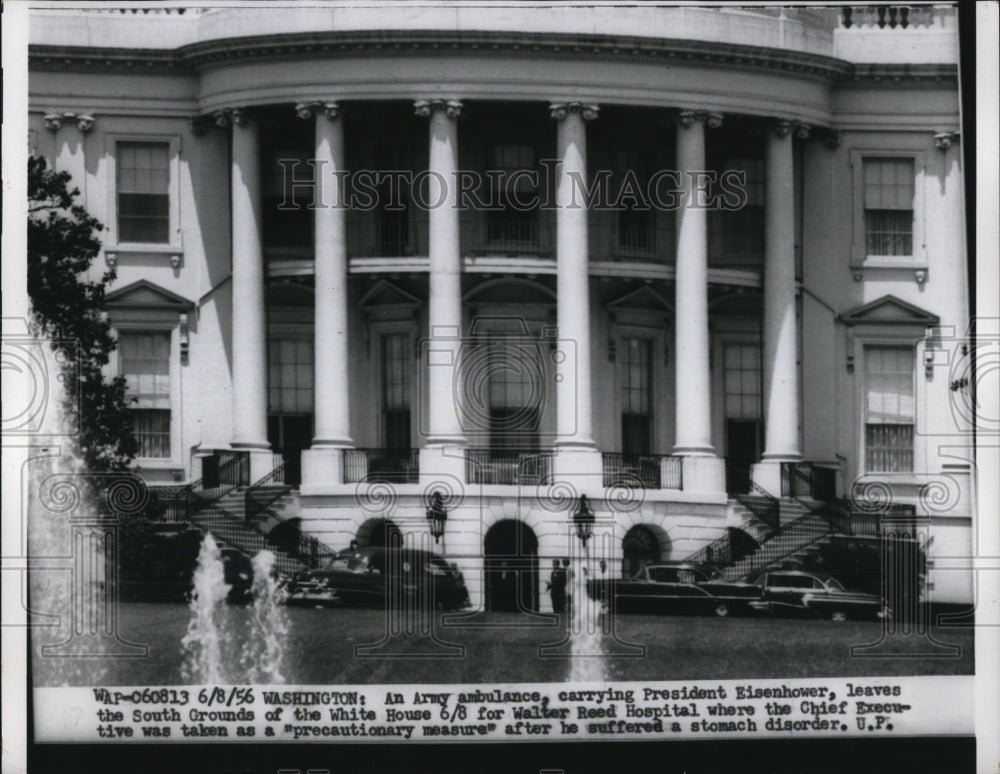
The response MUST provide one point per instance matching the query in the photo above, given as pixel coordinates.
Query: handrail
(807, 480)
(182, 502)
(262, 494)
(507, 466)
(399, 466)
(760, 503)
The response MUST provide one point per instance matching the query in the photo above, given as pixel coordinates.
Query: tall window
(637, 413)
(513, 227)
(143, 190)
(397, 380)
(636, 226)
(889, 184)
(288, 195)
(742, 380)
(144, 361)
(290, 376)
(889, 410)
(737, 236)
(514, 393)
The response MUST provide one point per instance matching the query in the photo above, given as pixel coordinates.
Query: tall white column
(693, 406)
(249, 312)
(781, 372)
(443, 435)
(703, 471)
(577, 452)
(323, 462)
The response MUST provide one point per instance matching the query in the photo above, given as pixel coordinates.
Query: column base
(261, 461)
(767, 474)
(443, 465)
(581, 467)
(323, 465)
(703, 473)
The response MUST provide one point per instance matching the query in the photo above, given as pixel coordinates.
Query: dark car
(238, 573)
(814, 594)
(677, 587)
(382, 576)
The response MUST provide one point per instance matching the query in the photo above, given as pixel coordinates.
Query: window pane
(144, 361)
(742, 381)
(152, 430)
(143, 189)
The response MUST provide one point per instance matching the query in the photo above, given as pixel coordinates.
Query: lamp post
(437, 515)
(583, 519)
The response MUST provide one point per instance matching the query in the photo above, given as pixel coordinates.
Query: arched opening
(640, 547)
(377, 533)
(511, 551)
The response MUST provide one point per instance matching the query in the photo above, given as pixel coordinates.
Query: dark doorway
(639, 548)
(289, 434)
(511, 550)
(742, 451)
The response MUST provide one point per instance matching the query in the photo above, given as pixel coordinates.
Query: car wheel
(838, 615)
(721, 609)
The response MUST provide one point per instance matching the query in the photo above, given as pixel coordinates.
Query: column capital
(559, 110)
(201, 124)
(801, 130)
(944, 140)
(451, 107)
(781, 127)
(232, 116)
(686, 118)
(831, 138)
(53, 121)
(331, 109)
(85, 123)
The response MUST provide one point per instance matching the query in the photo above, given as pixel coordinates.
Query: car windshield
(355, 563)
(835, 585)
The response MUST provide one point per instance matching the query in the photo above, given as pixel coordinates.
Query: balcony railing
(399, 466)
(507, 466)
(497, 235)
(650, 471)
(375, 235)
(633, 243)
(891, 17)
(803, 479)
(736, 237)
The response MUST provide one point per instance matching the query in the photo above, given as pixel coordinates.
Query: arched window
(639, 548)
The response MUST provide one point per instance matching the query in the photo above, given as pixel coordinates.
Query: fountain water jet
(203, 642)
(263, 650)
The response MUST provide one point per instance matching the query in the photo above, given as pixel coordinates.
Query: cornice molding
(194, 57)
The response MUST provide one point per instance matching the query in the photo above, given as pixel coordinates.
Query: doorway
(289, 434)
(511, 551)
(742, 451)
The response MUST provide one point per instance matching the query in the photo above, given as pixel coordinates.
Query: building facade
(364, 255)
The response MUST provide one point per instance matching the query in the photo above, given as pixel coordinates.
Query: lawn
(344, 646)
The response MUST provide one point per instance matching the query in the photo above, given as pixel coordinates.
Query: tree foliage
(68, 309)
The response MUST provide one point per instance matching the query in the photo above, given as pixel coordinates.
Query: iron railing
(632, 242)
(650, 471)
(259, 497)
(398, 466)
(760, 503)
(507, 466)
(804, 479)
(493, 235)
(180, 503)
(891, 17)
(849, 517)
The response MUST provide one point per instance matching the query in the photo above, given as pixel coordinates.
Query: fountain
(203, 643)
(263, 650)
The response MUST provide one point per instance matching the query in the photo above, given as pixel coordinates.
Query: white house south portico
(463, 314)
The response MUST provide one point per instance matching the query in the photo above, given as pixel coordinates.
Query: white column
(780, 345)
(249, 312)
(323, 462)
(577, 453)
(443, 436)
(702, 469)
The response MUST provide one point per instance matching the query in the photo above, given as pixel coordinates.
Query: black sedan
(676, 587)
(382, 577)
(814, 594)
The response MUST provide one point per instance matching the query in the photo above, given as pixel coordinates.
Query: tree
(69, 310)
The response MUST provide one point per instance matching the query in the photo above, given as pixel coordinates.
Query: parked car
(798, 592)
(382, 576)
(238, 573)
(676, 587)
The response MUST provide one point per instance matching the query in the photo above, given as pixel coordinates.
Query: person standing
(557, 587)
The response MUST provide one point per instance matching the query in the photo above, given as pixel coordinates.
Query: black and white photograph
(421, 373)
